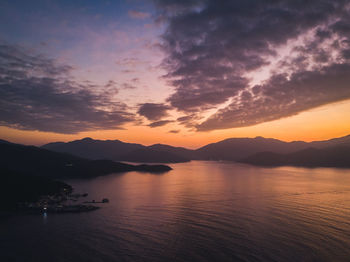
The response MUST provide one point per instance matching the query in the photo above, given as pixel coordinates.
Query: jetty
(103, 201)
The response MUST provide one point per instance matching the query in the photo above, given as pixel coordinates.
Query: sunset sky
(184, 73)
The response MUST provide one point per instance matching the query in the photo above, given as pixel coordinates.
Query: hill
(232, 149)
(340, 141)
(335, 156)
(95, 149)
(119, 151)
(42, 162)
(149, 155)
(17, 187)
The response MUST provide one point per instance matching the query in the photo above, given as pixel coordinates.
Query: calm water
(200, 211)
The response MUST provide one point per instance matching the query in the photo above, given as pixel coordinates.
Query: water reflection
(200, 211)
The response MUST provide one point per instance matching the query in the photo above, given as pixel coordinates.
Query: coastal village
(63, 202)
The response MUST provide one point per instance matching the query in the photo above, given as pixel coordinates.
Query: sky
(185, 73)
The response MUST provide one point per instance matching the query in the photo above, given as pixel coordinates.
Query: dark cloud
(281, 96)
(127, 71)
(211, 47)
(111, 84)
(189, 121)
(160, 123)
(174, 131)
(153, 111)
(184, 119)
(36, 93)
(16, 62)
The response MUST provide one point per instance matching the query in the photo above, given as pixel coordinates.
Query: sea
(199, 211)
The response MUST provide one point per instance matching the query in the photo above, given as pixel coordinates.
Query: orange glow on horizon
(321, 123)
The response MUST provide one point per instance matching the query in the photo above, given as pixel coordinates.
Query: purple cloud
(212, 48)
(160, 123)
(36, 93)
(153, 111)
(281, 96)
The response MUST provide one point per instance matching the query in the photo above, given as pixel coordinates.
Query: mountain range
(333, 156)
(248, 150)
(120, 151)
(37, 161)
(29, 172)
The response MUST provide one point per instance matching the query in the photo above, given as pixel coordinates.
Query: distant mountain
(119, 151)
(235, 149)
(232, 149)
(334, 156)
(42, 162)
(149, 155)
(341, 141)
(180, 151)
(95, 149)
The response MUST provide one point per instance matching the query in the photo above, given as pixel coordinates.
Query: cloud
(213, 48)
(160, 123)
(138, 15)
(111, 84)
(128, 86)
(130, 62)
(281, 96)
(189, 121)
(127, 71)
(36, 93)
(153, 111)
(174, 131)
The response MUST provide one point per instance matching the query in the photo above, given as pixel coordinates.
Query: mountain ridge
(230, 149)
(43, 162)
(333, 156)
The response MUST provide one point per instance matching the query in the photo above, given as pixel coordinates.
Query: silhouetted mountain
(17, 187)
(232, 149)
(336, 156)
(120, 151)
(42, 162)
(340, 141)
(4, 142)
(95, 149)
(179, 151)
(149, 155)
